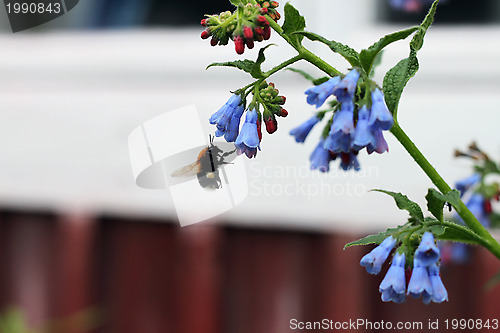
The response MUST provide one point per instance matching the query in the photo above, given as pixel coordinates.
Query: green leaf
(367, 57)
(293, 22)
(256, 71)
(348, 53)
(453, 197)
(396, 79)
(309, 76)
(372, 239)
(245, 65)
(459, 234)
(418, 40)
(435, 203)
(404, 203)
(376, 63)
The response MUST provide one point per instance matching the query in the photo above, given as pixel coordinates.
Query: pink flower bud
(204, 22)
(239, 44)
(259, 31)
(282, 113)
(264, 11)
(262, 20)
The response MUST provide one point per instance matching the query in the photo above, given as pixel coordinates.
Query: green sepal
(436, 201)
(293, 22)
(373, 239)
(376, 62)
(418, 40)
(367, 57)
(308, 76)
(402, 201)
(396, 79)
(345, 51)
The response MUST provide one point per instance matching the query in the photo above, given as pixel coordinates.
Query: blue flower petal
(427, 252)
(374, 260)
(317, 95)
(347, 87)
(393, 285)
(380, 116)
(300, 132)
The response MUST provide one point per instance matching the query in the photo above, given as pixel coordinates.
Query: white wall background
(68, 101)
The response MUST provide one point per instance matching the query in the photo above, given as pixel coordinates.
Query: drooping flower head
(439, 293)
(317, 95)
(374, 260)
(248, 140)
(427, 252)
(344, 91)
(380, 116)
(222, 117)
(339, 137)
(321, 158)
(420, 284)
(393, 286)
(234, 124)
(300, 132)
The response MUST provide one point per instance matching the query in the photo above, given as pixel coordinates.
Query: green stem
(282, 65)
(489, 242)
(305, 53)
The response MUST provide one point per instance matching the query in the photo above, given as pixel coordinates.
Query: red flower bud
(282, 100)
(205, 34)
(249, 43)
(239, 44)
(266, 4)
(259, 129)
(282, 113)
(262, 20)
(271, 125)
(204, 22)
(271, 84)
(487, 207)
(214, 41)
(264, 11)
(267, 33)
(274, 4)
(248, 33)
(259, 31)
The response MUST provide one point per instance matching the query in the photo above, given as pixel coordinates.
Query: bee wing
(188, 170)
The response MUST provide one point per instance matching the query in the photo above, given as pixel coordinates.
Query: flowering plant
(357, 111)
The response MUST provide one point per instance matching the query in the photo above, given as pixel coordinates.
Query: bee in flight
(206, 166)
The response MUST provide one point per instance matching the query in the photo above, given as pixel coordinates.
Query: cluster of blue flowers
(425, 280)
(347, 135)
(227, 120)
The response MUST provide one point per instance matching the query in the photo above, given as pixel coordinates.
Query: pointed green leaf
(404, 203)
(418, 40)
(396, 79)
(348, 53)
(460, 234)
(245, 65)
(293, 22)
(367, 57)
(256, 71)
(373, 239)
(435, 203)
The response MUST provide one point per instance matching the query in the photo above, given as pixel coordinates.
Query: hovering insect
(206, 167)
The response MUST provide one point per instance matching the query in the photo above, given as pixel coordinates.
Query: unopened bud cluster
(272, 103)
(246, 25)
(269, 8)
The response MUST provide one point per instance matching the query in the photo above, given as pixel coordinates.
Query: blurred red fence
(151, 277)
